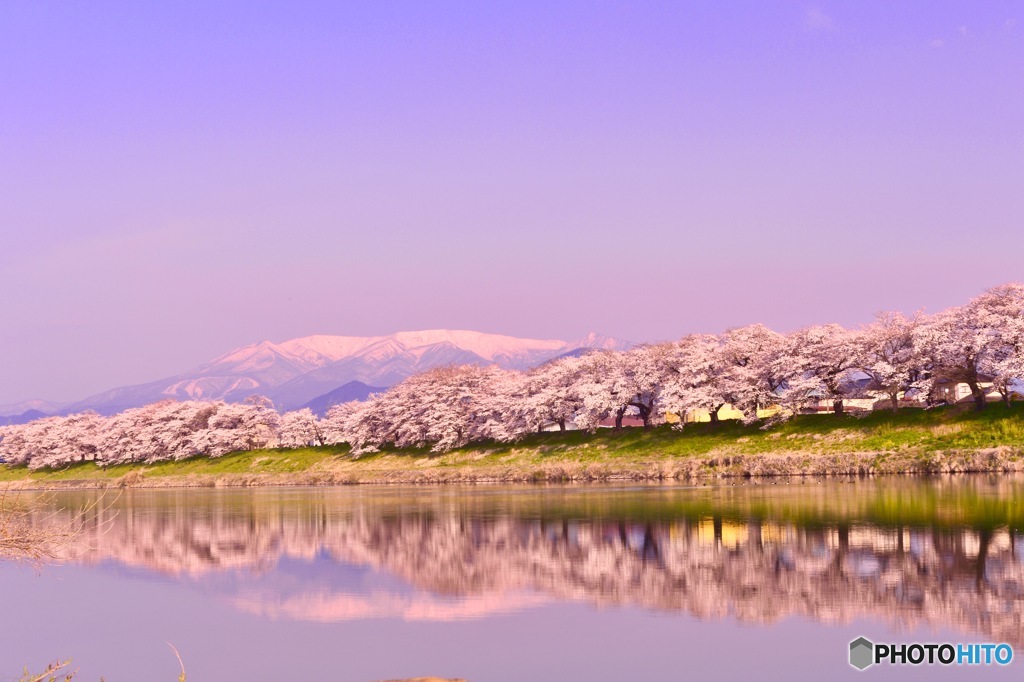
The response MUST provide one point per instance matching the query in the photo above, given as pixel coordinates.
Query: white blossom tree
(693, 377)
(755, 369)
(343, 423)
(502, 411)
(888, 355)
(233, 427)
(14, 446)
(1001, 310)
(609, 384)
(550, 394)
(299, 428)
(445, 408)
(160, 431)
(55, 442)
(599, 389)
(824, 359)
(965, 343)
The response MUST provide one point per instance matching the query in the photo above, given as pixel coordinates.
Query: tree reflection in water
(942, 552)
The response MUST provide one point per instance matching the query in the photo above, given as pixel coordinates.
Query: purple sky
(178, 179)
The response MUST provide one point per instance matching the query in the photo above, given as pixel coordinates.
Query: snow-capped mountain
(294, 372)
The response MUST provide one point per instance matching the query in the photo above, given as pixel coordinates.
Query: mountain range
(318, 371)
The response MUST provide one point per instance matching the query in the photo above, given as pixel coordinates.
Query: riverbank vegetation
(22, 536)
(950, 438)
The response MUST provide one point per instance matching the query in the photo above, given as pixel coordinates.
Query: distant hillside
(296, 372)
(25, 406)
(23, 418)
(353, 390)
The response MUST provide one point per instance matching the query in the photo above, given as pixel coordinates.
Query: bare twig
(48, 674)
(181, 677)
(33, 530)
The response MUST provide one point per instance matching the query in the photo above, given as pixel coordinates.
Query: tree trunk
(714, 414)
(837, 406)
(977, 394)
(645, 414)
(618, 418)
(561, 425)
(895, 398)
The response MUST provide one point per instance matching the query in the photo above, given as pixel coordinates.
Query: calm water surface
(530, 583)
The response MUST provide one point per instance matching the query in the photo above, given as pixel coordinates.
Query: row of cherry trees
(751, 368)
(161, 431)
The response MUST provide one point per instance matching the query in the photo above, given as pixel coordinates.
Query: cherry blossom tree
(299, 428)
(44, 440)
(693, 376)
(52, 442)
(755, 369)
(445, 407)
(824, 359)
(965, 343)
(55, 442)
(81, 435)
(550, 394)
(453, 407)
(599, 390)
(610, 383)
(1002, 312)
(641, 377)
(344, 423)
(160, 431)
(1007, 365)
(260, 422)
(233, 427)
(121, 441)
(14, 446)
(502, 410)
(887, 353)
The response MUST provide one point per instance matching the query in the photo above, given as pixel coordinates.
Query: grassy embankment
(950, 439)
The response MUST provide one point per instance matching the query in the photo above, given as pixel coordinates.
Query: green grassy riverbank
(949, 439)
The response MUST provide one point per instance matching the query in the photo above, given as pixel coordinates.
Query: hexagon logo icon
(861, 653)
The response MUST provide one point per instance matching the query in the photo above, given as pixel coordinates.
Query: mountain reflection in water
(939, 552)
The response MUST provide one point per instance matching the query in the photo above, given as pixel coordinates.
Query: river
(749, 582)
